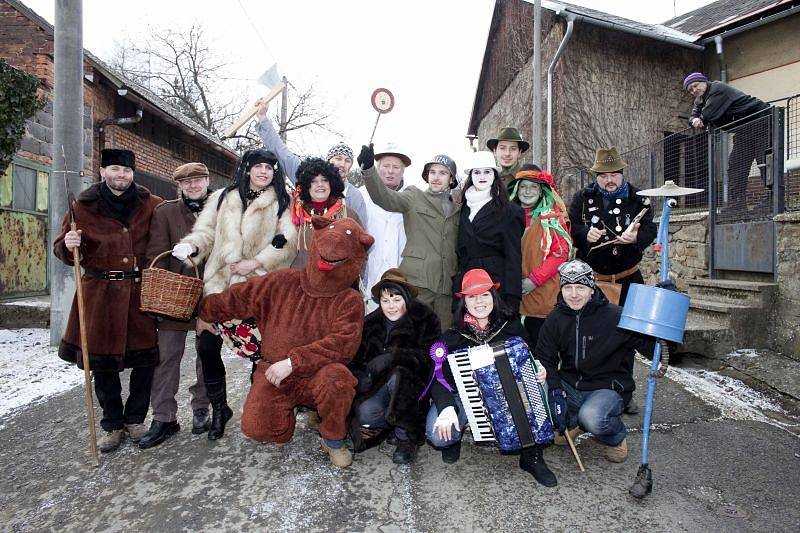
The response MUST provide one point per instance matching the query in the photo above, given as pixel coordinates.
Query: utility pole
(284, 108)
(67, 153)
(536, 137)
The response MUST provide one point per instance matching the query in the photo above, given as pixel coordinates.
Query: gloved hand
(380, 364)
(366, 159)
(279, 241)
(182, 250)
(558, 408)
(444, 423)
(527, 285)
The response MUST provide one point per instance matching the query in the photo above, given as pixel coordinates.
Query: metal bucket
(656, 312)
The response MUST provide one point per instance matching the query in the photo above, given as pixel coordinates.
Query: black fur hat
(123, 158)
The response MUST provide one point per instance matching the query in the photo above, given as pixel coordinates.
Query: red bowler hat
(476, 281)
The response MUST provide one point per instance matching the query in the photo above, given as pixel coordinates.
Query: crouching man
(589, 361)
(311, 322)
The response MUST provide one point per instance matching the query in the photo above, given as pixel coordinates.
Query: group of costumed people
(286, 276)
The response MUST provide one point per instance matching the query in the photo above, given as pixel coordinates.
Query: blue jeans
(455, 436)
(598, 412)
(372, 411)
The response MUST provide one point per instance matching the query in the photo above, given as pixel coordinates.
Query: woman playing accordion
(481, 318)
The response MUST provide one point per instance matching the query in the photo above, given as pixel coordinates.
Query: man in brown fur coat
(311, 322)
(113, 217)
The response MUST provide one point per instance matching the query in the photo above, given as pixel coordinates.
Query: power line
(255, 29)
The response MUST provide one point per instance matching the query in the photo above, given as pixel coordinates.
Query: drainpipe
(550, 70)
(101, 126)
(723, 72)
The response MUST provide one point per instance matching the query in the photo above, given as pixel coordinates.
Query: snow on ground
(735, 400)
(30, 371)
(29, 303)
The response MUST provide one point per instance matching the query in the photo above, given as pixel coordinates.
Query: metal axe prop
(272, 81)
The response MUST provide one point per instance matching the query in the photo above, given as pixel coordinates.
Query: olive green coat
(429, 257)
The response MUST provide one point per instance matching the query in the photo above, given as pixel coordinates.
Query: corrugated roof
(720, 14)
(639, 27)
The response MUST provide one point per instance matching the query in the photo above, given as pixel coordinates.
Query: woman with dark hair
(244, 230)
(481, 318)
(319, 190)
(490, 230)
(392, 367)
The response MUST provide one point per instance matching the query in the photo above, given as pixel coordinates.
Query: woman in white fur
(244, 230)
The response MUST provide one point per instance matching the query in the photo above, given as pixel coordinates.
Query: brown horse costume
(314, 317)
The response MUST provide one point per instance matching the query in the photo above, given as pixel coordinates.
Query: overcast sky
(428, 52)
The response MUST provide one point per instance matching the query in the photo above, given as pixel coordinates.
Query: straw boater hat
(508, 134)
(607, 160)
(396, 276)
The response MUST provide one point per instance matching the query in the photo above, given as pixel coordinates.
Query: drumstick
(574, 450)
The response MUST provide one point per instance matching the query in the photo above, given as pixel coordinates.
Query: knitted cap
(693, 77)
(339, 149)
(576, 272)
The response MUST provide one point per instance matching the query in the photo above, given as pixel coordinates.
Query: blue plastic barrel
(656, 312)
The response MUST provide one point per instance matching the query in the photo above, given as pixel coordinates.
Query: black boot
(532, 461)
(158, 433)
(200, 421)
(451, 454)
(221, 413)
(405, 452)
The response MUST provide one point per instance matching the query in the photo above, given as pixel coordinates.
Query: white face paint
(529, 193)
(482, 178)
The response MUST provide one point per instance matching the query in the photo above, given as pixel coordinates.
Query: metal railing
(792, 179)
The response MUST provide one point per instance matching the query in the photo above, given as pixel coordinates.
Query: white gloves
(447, 418)
(182, 250)
(527, 285)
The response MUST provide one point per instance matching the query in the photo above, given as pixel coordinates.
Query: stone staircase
(725, 315)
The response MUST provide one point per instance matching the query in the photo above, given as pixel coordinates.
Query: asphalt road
(712, 473)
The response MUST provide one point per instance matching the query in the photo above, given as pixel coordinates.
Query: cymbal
(669, 189)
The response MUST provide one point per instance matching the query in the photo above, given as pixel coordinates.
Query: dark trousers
(209, 350)
(372, 411)
(108, 388)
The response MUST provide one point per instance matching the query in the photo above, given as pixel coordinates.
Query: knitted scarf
(551, 213)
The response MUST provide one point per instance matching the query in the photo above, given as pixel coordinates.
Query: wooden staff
(87, 376)
(574, 450)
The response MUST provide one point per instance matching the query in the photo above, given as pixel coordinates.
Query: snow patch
(30, 370)
(744, 352)
(734, 399)
(43, 304)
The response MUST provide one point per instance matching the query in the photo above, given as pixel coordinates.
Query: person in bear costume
(311, 321)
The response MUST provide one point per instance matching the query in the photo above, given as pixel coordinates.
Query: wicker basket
(168, 294)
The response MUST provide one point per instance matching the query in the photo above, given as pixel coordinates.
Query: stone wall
(688, 251)
(787, 312)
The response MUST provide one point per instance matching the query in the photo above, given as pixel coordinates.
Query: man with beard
(113, 217)
(604, 229)
(172, 221)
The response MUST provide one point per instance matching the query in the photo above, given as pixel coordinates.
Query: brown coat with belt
(120, 336)
(172, 221)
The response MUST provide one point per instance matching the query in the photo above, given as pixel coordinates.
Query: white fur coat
(228, 236)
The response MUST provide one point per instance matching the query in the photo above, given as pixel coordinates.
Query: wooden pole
(574, 450)
(87, 376)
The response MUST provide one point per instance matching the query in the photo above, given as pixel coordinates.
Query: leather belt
(614, 277)
(114, 275)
